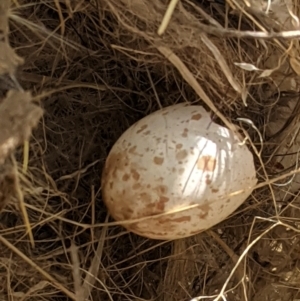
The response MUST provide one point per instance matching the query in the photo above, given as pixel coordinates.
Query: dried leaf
(247, 67)
(244, 96)
(266, 73)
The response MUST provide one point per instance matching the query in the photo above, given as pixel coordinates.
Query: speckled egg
(178, 172)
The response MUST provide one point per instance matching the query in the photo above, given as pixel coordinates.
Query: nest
(74, 76)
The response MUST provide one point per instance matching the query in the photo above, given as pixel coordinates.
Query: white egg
(173, 159)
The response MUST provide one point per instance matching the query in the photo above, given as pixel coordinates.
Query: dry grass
(95, 67)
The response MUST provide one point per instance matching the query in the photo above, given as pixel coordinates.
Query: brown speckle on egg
(181, 155)
(115, 162)
(158, 160)
(127, 213)
(181, 219)
(205, 211)
(135, 174)
(161, 203)
(136, 186)
(132, 149)
(181, 171)
(203, 215)
(126, 177)
(143, 127)
(162, 189)
(206, 163)
(145, 198)
(185, 133)
(196, 116)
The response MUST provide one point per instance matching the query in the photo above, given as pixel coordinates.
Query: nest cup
(75, 75)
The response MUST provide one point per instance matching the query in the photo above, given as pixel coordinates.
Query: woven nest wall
(74, 76)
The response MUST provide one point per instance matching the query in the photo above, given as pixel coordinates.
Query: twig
(232, 33)
(221, 62)
(39, 269)
(76, 272)
(77, 172)
(94, 268)
(167, 17)
(21, 203)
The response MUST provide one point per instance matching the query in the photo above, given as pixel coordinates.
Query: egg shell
(173, 159)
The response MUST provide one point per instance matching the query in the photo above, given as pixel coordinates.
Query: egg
(178, 172)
